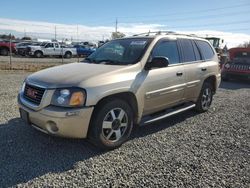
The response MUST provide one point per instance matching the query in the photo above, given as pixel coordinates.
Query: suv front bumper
(72, 123)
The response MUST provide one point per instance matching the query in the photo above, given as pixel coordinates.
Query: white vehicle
(51, 49)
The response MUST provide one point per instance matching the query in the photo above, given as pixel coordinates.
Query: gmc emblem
(31, 93)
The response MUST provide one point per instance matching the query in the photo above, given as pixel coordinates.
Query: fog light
(51, 127)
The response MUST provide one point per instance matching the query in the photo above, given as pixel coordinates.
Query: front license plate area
(24, 116)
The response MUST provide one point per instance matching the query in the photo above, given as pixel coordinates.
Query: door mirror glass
(157, 62)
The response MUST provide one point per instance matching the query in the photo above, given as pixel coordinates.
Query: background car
(239, 65)
(83, 50)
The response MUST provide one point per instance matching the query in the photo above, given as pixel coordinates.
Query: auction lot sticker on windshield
(140, 43)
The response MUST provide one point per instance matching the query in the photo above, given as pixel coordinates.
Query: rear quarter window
(205, 49)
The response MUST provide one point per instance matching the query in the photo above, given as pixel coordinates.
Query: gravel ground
(188, 150)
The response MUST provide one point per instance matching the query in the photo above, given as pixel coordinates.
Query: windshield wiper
(110, 62)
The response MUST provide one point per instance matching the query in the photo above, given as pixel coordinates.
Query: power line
(188, 12)
(215, 24)
(178, 13)
(205, 17)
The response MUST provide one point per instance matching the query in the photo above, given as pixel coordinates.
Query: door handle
(179, 74)
(203, 69)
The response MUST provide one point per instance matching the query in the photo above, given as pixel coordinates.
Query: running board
(151, 119)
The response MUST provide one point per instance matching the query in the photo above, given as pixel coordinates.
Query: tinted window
(57, 46)
(205, 49)
(187, 50)
(167, 49)
(196, 52)
(49, 45)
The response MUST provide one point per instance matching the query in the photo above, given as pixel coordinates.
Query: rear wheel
(68, 55)
(111, 124)
(205, 98)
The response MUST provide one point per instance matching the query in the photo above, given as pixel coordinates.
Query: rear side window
(187, 50)
(167, 49)
(196, 52)
(205, 49)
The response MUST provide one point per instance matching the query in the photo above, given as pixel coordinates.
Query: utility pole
(10, 44)
(77, 33)
(77, 40)
(55, 32)
(116, 25)
(24, 32)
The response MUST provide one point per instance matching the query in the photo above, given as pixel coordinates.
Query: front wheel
(205, 98)
(111, 124)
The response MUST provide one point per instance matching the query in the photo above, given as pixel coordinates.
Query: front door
(164, 87)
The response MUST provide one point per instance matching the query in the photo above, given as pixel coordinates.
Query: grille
(240, 67)
(33, 94)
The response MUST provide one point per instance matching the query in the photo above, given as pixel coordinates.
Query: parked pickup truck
(5, 48)
(51, 49)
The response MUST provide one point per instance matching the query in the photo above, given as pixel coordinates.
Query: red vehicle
(5, 48)
(239, 65)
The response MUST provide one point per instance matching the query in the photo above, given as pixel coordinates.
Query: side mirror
(157, 62)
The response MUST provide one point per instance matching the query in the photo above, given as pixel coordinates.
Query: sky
(96, 19)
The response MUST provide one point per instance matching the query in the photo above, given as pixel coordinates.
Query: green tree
(26, 38)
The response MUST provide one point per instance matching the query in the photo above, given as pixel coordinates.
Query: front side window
(120, 52)
(49, 45)
(205, 49)
(167, 49)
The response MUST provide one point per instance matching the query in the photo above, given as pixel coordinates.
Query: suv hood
(70, 74)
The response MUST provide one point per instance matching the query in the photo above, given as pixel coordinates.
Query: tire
(68, 55)
(205, 98)
(4, 52)
(38, 54)
(116, 130)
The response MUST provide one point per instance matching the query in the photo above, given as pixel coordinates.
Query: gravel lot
(188, 150)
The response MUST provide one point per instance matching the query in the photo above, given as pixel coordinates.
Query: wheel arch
(128, 97)
(212, 79)
(38, 51)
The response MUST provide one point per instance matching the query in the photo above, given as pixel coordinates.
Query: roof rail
(164, 32)
(155, 33)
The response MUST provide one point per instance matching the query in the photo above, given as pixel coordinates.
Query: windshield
(214, 42)
(120, 52)
(43, 44)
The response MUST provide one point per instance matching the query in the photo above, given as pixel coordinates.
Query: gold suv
(126, 82)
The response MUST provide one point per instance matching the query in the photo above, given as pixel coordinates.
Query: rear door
(164, 87)
(192, 62)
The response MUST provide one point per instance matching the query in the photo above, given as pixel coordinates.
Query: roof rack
(164, 32)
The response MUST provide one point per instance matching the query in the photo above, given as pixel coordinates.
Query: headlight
(23, 87)
(69, 97)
